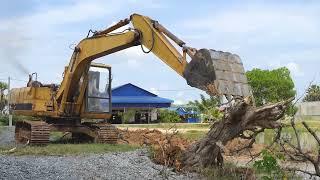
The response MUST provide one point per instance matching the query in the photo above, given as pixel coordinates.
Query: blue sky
(265, 34)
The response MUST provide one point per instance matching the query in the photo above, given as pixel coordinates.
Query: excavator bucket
(217, 73)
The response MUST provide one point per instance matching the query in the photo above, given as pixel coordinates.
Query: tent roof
(129, 95)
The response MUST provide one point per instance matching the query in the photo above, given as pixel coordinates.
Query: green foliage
(203, 126)
(167, 116)
(228, 172)
(271, 85)
(313, 94)
(268, 166)
(208, 108)
(3, 100)
(4, 119)
(3, 86)
(192, 134)
(128, 115)
(204, 103)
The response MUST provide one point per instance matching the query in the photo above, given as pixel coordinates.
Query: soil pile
(167, 147)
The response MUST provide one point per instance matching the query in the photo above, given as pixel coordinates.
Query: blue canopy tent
(129, 96)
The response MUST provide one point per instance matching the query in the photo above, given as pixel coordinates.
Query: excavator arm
(202, 72)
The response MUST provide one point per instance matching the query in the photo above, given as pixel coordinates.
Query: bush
(211, 114)
(4, 119)
(128, 115)
(268, 166)
(167, 116)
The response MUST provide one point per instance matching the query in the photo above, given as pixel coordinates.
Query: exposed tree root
(239, 118)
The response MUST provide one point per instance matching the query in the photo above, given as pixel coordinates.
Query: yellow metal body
(68, 101)
(32, 101)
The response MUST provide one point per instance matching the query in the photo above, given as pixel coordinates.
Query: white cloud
(24, 36)
(78, 11)
(153, 4)
(179, 102)
(295, 68)
(133, 63)
(260, 23)
(133, 52)
(121, 29)
(180, 93)
(154, 90)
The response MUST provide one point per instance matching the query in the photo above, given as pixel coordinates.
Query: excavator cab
(98, 98)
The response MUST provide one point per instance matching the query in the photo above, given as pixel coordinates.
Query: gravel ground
(128, 165)
(6, 136)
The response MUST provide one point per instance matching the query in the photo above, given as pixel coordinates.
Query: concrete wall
(309, 109)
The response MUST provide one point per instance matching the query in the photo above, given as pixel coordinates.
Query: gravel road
(128, 165)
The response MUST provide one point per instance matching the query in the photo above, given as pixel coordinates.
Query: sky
(38, 36)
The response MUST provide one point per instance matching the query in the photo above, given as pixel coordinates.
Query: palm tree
(208, 107)
(313, 93)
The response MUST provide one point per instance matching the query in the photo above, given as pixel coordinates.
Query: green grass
(192, 134)
(228, 172)
(1, 129)
(68, 149)
(168, 125)
(55, 136)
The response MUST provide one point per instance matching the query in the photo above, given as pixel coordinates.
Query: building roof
(129, 95)
(183, 111)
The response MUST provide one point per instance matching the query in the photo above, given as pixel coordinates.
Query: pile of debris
(166, 147)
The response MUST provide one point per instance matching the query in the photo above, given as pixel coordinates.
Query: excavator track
(32, 132)
(106, 133)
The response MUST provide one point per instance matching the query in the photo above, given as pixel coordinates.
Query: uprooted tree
(238, 119)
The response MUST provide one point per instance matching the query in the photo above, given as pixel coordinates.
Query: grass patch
(192, 134)
(1, 128)
(168, 125)
(56, 136)
(69, 149)
(228, 172)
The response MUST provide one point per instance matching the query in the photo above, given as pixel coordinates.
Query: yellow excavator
(81, 104)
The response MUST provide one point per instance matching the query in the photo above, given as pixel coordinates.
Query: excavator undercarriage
(38, 132)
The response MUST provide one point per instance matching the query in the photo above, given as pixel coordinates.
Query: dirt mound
(167, 147)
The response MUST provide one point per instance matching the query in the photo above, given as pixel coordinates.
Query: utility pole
(9, 112)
